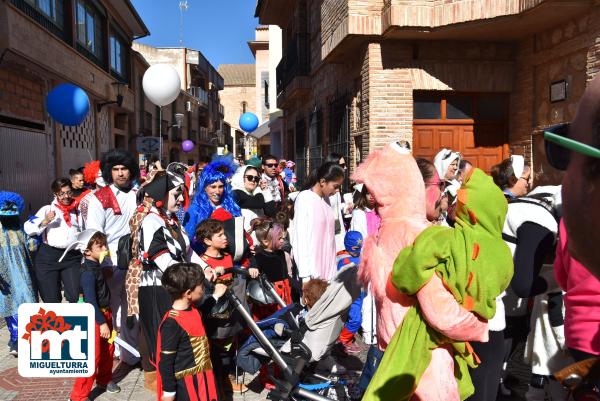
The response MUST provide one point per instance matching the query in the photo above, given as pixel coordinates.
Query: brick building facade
(238, 97)
(43, 44)
(89, 43)
(472, 75)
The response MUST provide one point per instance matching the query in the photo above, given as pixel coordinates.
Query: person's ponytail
(329, 171)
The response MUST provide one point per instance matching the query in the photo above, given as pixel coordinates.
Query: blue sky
(218, 28)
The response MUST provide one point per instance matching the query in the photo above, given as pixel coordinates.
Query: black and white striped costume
(163, 243)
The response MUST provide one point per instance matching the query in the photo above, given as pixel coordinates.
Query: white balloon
(161, 84)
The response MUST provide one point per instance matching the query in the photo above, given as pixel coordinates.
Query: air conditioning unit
(188, 106)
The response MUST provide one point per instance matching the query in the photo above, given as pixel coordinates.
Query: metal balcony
(294, 63)
(199, 94)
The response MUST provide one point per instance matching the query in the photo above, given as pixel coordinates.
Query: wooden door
(484, 145)
(475, 124)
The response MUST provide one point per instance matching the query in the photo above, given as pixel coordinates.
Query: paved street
(16, 388)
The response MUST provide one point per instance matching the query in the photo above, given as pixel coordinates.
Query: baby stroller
(296, 344)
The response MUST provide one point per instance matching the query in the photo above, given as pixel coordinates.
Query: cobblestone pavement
(13, 387)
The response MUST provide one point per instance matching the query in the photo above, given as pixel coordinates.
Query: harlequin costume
(159, 241)
(475, 265)
(183, 358)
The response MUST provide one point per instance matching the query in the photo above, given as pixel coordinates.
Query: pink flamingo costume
(393, 178)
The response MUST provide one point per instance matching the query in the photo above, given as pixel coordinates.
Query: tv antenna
(183, 6)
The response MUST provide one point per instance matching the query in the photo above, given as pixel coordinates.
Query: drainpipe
(185, 69)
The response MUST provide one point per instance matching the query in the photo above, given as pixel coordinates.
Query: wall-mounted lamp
(178, 121)
(119, 100)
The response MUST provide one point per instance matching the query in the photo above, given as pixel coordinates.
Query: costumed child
(276, 264)
(366, 220)
(221, 323)
(184, 366)
(475, 266)
(351, 255)
(93, 245)
(273, 262)
(15, 264)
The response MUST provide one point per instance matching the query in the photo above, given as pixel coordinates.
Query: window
(426, 106)
(89, 29)
(459, 107)
(50, 9)
(266, 94)
(118, 56)
(479, 107)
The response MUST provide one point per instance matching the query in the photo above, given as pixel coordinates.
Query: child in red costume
(182, 353)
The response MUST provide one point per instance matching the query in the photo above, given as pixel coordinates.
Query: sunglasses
(271, 165)
(254, 178)
(558, 146)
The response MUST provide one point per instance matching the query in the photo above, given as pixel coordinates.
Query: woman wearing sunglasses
(252, 195)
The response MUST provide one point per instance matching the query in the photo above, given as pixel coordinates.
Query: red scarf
(66, 210)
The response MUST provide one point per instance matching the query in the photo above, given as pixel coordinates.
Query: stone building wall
(232, 98)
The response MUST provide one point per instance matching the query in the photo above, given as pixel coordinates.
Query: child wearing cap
(93, 245)
(353, 241)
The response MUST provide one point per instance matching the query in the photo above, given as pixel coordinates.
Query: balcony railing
(203, 135)
(199, 94)
(295, 61)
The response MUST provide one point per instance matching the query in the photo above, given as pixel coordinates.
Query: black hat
(161, 184)
(118, 157)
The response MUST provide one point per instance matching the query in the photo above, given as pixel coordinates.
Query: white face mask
(100, 181)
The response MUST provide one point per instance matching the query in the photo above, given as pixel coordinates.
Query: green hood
(480, 199)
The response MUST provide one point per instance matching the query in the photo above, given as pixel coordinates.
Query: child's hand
(219, 270)
(104, 331)
(253, 272)
(209, 274)
(169, 398)
(219, 290)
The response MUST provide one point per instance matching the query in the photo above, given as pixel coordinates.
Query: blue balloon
(248, 122)
(68, 104)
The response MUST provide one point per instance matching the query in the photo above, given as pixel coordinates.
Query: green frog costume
(474, 264)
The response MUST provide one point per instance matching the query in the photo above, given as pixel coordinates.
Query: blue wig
(11, 203)
(221, 168)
